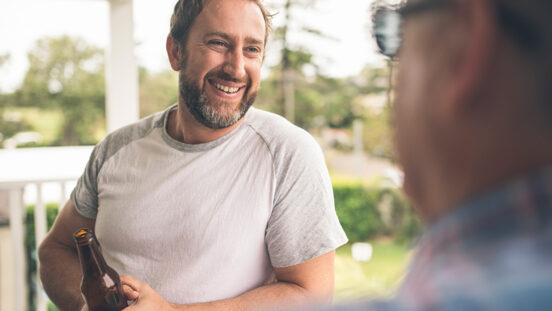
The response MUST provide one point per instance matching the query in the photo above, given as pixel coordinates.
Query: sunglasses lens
(387, 25)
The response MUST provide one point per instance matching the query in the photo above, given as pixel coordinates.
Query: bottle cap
(83, 236)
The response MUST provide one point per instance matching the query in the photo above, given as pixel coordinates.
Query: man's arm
(308, 283)
(60, 270)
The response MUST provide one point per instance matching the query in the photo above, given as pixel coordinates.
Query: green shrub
(371, 211)
(52, 307)
(355, 205)
(30, 248)
(405, 225)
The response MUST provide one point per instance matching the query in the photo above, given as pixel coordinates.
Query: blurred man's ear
(477, 43)
(173, 51)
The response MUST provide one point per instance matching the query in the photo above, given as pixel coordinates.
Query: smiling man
(211, 204)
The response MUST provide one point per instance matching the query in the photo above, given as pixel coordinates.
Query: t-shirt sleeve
(85, 193)
(303, 224)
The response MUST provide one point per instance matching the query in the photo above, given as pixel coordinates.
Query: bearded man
(211, 204)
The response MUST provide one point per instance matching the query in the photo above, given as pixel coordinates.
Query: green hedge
(371, 211)
(30, 249)
(356, 208)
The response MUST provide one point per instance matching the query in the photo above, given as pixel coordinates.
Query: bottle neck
(91, 258)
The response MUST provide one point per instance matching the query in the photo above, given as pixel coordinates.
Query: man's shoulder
(275, 130)
(123, 136)
(139, 128)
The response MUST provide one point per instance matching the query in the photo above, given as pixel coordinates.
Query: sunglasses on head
(388, 23)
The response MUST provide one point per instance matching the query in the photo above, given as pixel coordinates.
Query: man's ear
(476, 48)
(174, 53)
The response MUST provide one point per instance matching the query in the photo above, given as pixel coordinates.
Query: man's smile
(226, 88)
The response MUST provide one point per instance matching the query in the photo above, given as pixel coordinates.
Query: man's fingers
(131, 282)
(131, 287)
(130, 293)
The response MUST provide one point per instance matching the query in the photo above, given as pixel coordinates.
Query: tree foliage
(68, 74)
(293, 57)
(158, 90)
(318, 100)
(325, 101)
(9, 126)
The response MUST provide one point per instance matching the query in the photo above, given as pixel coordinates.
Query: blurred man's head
(218, 47)
(473, 103)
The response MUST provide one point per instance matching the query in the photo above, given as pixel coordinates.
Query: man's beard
(213, 114)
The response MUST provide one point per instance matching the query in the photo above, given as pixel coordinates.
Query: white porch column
(121, 68)
(18, 247)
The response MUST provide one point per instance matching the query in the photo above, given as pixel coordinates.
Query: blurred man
(473, 115)
(203, 203)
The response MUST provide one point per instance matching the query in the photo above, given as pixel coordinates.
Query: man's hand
(144, 296)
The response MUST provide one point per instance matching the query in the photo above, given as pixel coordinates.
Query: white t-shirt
(208, 221)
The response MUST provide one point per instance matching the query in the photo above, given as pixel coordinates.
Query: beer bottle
(101, 287)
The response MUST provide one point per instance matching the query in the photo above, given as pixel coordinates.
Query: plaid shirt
(491, 253)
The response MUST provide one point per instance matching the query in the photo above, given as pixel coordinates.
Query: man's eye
(253, 50)
(216, 42)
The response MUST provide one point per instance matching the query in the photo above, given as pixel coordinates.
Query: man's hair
(186, 11)
(529, 25)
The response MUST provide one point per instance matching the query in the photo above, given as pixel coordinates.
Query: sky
(22, 22)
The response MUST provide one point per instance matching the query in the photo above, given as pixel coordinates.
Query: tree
(293, 57)
(7, 129)
(320, 100)
(158, 90)
(68, 74)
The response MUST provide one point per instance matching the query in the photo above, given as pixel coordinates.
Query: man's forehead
(231, 13)
(229, 7)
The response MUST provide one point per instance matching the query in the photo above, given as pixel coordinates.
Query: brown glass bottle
(101, 286)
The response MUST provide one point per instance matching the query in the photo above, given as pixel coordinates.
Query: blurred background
(65, 76)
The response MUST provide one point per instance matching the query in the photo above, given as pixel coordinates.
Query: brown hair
(185, 12)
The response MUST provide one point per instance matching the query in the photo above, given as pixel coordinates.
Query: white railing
(16, 193)
(34, 176)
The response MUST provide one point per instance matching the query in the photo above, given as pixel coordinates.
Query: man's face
(220, 68)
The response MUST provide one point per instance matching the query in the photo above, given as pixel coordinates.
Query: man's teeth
(226, 89)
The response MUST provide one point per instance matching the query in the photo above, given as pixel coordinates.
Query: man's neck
(183, 127)
(482, 170)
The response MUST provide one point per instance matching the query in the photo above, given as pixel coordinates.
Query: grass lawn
(378, 277)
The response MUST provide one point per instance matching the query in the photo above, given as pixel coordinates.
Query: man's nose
(235, 64)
